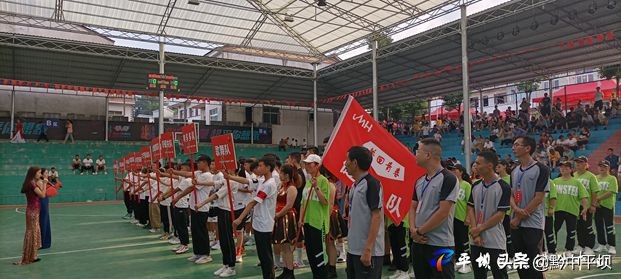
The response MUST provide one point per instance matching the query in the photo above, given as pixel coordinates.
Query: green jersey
(569, 193)
(462, 200)
(589, 181)
(550, 196)
(317, 215)
(608, 183)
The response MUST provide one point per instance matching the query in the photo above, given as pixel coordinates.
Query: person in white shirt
(212, 220)
(181, 205)
(263, 208)
(149, 187)
(599, 99)
(201, 187)
(100, 165)
(87, 164)
(438, 136)
(126, 184)
(225, 228)
(244, 194)
(489, 145)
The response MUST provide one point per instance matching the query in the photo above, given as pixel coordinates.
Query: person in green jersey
(604, 214)
(586, 236)
(549, 221)
(570, 195)
(315, 216)
(503, 169)
(460, 229)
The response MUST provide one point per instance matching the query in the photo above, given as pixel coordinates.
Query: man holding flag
(366, 218)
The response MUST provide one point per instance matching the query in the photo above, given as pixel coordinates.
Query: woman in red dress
(285, 226)
(34, 188)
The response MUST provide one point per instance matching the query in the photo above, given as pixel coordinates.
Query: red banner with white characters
(224, 152)
(156, 150)
(145, 152)
(167, 144)
(393, 163)
(189, 139)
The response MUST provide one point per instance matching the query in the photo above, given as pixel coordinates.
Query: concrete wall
(295, 124)
(41, 103)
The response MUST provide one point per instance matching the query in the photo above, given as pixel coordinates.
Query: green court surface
(92, 241)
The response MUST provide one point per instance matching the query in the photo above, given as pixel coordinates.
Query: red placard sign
(156, 150)
(189, 139)
(167, 145)
(122, 165)
(145, 153)
(137, 161)
(224, 152)
(131, 161)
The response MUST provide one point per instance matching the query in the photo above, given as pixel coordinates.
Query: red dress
(285, 227)
(32, 237)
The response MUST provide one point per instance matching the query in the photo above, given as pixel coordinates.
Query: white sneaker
(397, 275)
(341, 259)
(465, 269)
(219, 271)
(216, 246)
(299, 264)
(193, 258)
(228, 272)
(239, 259)
(204, 260)
(182, 249)
(174, 241)
(140, 225)
(588, 251)
(578, 250)
(175, 248)
(599, 248)
(569, 254)
(134, 221)
(154, 230)
(612, 250)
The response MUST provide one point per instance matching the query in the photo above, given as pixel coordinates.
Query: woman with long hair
(44, 214)
(286, 215)
(34, 189)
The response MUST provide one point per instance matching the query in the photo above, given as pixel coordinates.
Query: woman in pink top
(69, 127)
(34, 189)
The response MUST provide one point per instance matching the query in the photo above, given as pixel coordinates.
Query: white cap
(313, 158)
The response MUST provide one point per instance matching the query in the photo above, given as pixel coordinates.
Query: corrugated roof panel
(41, 8)
(122, 14)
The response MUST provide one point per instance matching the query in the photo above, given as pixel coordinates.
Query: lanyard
(422, 193)
(521, 174)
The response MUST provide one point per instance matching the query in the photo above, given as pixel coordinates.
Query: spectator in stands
(541, 155)
(506, 137)
(494, 133)
(76, 163)
(69, 131)
(587, 119)
(438, 136)
(496, 113)
(571, 142)
(100, 165)
(568, 153)
(54, 175)
(558, 104)
(601, 118)
(599, 98)
(489, 145)
(559, 142)
(546, 105)
(555, 157)
(583, 138)
(18, 136)
(282, 145)
(87, 164)
(573, 118)
(613, 160)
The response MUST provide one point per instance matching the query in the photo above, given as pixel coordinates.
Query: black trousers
(586, 236)
(481, 272)
(164, 218)
(398, 246)
(314, 241)
(128, 204)
(355, 269)
(43, 136)
(91, 168)
(423, 255)
(263, 240)
(550, 235)
(460, 233)
(604, 223)
(529, 242)
(570, 220)
(200, 237)
(180, 221)
(506, 223)
(225, 232)
(143, 205)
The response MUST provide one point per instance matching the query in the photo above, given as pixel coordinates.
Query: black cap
(604, 163)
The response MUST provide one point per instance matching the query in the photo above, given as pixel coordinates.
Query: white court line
(598, 275)
(91, 249)
(71, 215)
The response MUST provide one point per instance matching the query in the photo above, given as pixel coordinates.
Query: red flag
(393, 163)
(224, 152)
(167, 145)
(189, 139)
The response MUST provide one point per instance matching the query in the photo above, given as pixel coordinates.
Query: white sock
(341, 248)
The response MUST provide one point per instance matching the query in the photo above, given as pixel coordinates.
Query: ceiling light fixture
(288, 18)
(321, 3)
(593, 8)
(611, 4)
(500, 35)
(193, 2)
